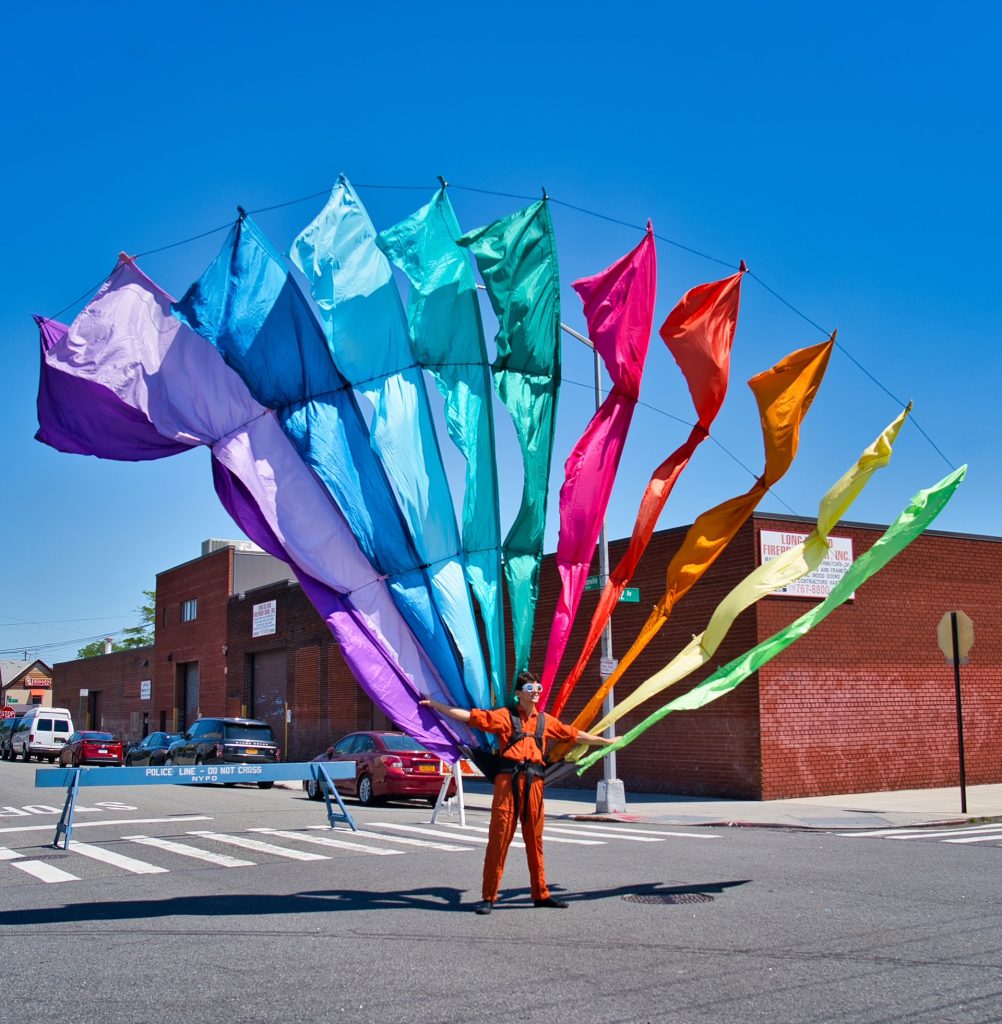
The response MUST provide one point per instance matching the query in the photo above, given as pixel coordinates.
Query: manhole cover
(668, 897)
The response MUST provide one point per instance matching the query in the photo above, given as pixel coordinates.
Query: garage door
(269, 689)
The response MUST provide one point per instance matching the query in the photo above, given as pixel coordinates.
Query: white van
(42, 732)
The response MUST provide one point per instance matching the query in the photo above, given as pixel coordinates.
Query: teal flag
(921, 511)
(447, 336)
(517, 258)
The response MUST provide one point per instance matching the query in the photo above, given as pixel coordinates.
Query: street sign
(7, 711)
(607, 666)
(965, 636)
(593, 583)
(630, 595)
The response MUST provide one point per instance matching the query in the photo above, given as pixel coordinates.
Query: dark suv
(226, 741)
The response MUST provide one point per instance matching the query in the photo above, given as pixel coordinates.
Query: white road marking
(261, 847)
(442, 835)
(549, 838)
(118, 860)
(606, 827)
(44, 872)
(119, 821)
(324, 841)
(184, 850)
(993, 838)
(603, 835)
(427, 843)
(6, 854)
(917, 833)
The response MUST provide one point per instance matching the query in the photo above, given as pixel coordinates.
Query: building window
(189, 610)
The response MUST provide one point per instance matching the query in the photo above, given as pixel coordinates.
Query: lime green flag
(517, 258)
(921, 511)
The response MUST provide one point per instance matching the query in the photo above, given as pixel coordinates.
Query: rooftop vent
(217, 544)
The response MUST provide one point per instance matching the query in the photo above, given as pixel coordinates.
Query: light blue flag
(249, 307)
(448, 339)
(352, 284)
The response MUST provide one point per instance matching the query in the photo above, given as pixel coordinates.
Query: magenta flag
(619, 309)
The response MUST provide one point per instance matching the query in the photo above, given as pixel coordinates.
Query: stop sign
(965, 635)
(7, 711)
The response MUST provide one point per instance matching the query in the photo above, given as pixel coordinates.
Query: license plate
(251, 750)
(103, 750)
(426, 768)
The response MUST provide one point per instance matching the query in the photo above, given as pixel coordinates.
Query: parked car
(41, 732)
(90, 747)
(150, 750)
(7, 727)
(226, 741)
(387, 765)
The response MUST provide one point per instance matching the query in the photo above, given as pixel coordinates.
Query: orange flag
(784, 394)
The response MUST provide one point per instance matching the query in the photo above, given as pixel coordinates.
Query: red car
(387, 765)
(91, 748)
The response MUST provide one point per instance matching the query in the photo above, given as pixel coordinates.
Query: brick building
(864, 702)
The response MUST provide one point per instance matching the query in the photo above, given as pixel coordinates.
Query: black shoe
(551, 901)
(484, 907)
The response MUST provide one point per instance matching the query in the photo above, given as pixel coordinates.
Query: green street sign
(593, 583)
(631, 595)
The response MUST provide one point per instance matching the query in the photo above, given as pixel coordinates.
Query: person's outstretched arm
(459, 714)
(592, 740)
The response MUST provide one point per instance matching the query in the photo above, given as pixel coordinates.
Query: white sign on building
(145, 689)
(265, 616)
(818, 584)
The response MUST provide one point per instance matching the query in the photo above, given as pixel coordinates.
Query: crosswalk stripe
(442, 835)
(916, 833)
(995, 838)
(618, 830)
(604, 835)
(325, 841)
(184, 850)
(6, 854)
(44, 872)
(118, 860)
(261, 847)
(112, 821)
(549, 838)
(427, 843)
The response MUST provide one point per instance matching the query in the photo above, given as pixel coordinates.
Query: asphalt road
(665, 924)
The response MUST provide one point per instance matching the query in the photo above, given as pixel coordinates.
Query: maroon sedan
(89, 747)
(387, 765)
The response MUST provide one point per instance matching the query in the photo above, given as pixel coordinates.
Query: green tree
(140, 635)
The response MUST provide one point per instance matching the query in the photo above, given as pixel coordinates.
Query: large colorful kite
(325, 450)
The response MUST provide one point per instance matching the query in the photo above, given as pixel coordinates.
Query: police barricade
(456, 772)
(72, 779)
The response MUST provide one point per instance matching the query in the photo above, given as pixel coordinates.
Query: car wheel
(314, 790)
(50, 759)
(128, 761)
(199, 761)
(26, 754)
(432, 800)
(168, 762)
(366, 796)
(265, 785)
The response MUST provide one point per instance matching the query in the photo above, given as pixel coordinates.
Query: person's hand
(425, 703)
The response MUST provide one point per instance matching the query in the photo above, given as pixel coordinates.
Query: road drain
(668, 897)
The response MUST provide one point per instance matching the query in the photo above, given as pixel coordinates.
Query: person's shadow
(428, 898)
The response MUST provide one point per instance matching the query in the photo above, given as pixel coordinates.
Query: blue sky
(849, 153)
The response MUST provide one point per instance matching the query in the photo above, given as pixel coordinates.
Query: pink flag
(619, 308)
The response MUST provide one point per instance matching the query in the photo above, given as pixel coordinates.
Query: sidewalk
(852, 811)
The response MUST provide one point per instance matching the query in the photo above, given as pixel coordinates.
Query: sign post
(955, 634)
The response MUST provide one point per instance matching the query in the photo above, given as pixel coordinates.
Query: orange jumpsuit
(530, 797)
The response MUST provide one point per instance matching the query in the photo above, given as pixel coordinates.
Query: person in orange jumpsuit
(518, 789)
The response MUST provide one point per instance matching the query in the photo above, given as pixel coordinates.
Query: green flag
(921, 511)
(517, 258)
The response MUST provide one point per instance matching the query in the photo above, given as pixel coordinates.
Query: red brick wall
(208, 581)
(115, 678)
(865, 702)
(324, 700)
